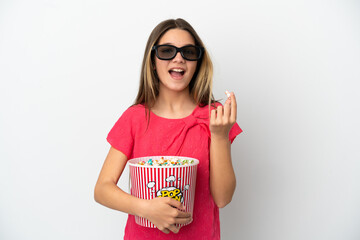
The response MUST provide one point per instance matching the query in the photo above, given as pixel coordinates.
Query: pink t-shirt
(190, 137)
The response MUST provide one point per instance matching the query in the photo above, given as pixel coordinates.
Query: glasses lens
(191, 52)
(166, 52)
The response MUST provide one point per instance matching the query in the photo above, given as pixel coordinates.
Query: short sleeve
(121, 135)
(234, 131)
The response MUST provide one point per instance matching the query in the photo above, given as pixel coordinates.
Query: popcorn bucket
(177, 182)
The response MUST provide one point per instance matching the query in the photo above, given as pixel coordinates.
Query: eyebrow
(167, 43)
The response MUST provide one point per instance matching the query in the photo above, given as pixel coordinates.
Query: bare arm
(163, 212)
(108, 193)
(222, 176)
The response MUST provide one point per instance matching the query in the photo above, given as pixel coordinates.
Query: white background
(68, 69)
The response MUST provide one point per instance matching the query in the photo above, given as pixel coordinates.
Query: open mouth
(176, 73)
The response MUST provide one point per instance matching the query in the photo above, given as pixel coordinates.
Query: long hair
(200, 86)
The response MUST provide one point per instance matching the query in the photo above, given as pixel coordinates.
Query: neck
(174, 103)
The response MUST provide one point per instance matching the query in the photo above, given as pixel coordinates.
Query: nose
(178, 58)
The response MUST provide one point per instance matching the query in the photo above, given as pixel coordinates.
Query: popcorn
(227, 93)
(166, 162)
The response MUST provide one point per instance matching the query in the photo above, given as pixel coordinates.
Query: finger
(233, 114)
(213, 115)
(183, 220)
(228, 100)
(176, 204)
(227, 110)
(183, 215)
(165, 230)
(219, 112)
(174, 228)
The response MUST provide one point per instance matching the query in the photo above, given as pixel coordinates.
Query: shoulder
(135, 110)
(133, 113)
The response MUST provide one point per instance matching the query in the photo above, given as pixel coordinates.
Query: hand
(223, 118)
(164, 213)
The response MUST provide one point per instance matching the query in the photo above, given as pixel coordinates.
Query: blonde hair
(200, 86)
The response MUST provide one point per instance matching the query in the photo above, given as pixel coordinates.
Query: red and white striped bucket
(148, 182)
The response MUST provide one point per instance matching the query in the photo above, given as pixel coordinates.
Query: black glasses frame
(200, 49)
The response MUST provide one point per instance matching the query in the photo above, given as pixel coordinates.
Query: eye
(166, 49)
(190, 51)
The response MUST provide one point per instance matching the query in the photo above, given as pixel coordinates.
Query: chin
(177, 87)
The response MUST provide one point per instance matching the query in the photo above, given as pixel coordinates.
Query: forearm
(222, 176)
(110, 195)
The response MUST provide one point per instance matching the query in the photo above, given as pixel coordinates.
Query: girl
(174, 114)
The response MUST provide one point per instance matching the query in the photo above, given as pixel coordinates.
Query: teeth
(177, 70)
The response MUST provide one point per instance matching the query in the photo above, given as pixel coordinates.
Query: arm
(163, 212)
(222, 176)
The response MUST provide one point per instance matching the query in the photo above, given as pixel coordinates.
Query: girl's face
(175, 74)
